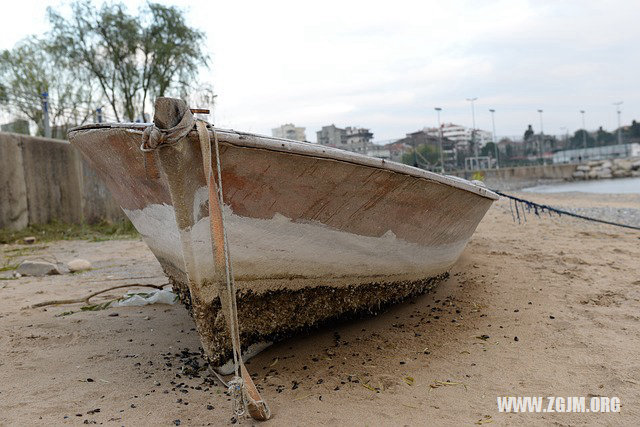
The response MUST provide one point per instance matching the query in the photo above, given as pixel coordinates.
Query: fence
(42, 180)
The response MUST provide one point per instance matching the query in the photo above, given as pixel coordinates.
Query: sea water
(599, 186)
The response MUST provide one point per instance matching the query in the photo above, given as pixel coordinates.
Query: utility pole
(584, 132)
(618, 104)
(566, 141)
(473, 130)
(495, 144)
(438, 109)
(541, 140)
(45, 114)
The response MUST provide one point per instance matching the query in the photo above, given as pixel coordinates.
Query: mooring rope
(538, 209)
(244, 394)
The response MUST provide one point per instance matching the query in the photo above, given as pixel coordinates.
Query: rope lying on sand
(86, 299)
(538, 208)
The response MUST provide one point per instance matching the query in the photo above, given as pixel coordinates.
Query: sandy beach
(549, 307)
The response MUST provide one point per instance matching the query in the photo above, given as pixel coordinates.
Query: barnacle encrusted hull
(278, 314)
(314, 233)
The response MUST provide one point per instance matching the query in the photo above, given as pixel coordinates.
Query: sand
(569, 290)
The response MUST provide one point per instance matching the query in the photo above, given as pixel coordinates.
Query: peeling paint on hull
(314, 234)
(272, 249)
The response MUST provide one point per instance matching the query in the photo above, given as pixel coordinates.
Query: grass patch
(9, 267)
(59, 231)
(25, 250)
(478, 176)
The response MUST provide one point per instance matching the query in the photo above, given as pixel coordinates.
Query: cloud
(387, 65)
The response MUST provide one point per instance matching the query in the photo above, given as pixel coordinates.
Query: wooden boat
(315, 234)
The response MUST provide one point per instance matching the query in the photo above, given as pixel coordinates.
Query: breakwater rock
(604, 169)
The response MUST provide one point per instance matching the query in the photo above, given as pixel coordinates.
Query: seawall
(514, 178)
(43, 179)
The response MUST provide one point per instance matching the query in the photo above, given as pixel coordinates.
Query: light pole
(473, 130)
(584, 132)
(438, 109)
(618, 104)
(495, 144)
(541, 140)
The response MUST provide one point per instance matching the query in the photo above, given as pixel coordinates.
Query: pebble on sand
(78, 264)
(37, 268)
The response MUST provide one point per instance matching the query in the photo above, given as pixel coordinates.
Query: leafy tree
(604, 138)
(131, 58)
(633, 131)
(488, 150)
(26, 72)
(577, 140)
(528, 133)
(509, 151)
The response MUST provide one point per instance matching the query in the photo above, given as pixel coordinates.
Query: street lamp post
(584, 131)
(438, 109)
(473, 130)
(495, 144)
(566, 141)
(584, 135)
(618, 104)
(541, 140)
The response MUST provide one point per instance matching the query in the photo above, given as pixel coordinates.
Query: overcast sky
(386, 65)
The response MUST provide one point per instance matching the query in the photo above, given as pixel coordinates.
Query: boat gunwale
(251, 140)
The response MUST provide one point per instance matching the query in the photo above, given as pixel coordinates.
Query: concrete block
(14, 212)
(52, 172)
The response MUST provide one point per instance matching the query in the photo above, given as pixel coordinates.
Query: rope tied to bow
(244, 394)
(159, 133)
(155, 135)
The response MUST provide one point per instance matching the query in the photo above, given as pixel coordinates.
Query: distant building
(332, 136)
(289, 131)
(397, 149)
(351, 138)
(358, 139)
(16, 126)
(597, 153)
(461, 135)
(427, 137)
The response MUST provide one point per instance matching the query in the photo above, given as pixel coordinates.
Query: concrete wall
(45, 179)
(522, 176)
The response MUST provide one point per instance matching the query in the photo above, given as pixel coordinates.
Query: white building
(289, 131)
(461, 135)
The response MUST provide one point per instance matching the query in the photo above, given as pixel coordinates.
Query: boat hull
(315, 234)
